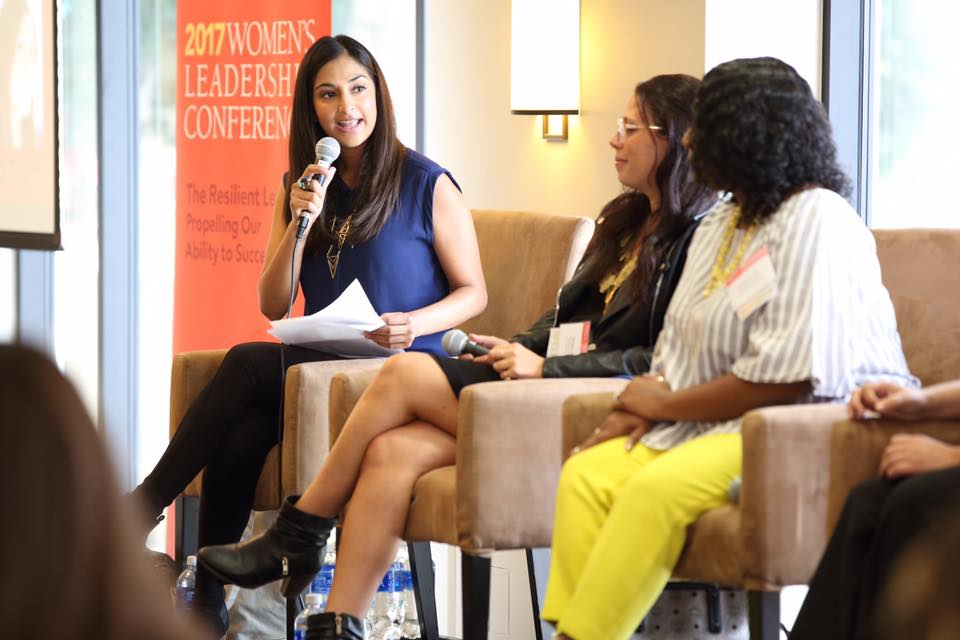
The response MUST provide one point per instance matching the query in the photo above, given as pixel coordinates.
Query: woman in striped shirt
(780, 302)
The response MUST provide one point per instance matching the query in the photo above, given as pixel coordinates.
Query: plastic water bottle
(324, 579)
(410, 624)
(187, 585)
(381, 618)
(314, 604)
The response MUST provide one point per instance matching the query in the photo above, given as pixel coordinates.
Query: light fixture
(545, 62)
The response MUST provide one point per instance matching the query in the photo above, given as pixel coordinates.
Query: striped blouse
(830, 321)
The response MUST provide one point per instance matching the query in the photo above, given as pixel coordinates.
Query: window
(913, 131)
(76, 285)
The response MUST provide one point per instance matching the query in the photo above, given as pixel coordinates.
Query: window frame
(847, 91)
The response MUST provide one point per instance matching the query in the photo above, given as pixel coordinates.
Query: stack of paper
(337, 328)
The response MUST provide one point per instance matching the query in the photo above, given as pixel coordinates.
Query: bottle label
(184, 599)
(387, 583)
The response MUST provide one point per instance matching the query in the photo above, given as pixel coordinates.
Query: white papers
(336, 329)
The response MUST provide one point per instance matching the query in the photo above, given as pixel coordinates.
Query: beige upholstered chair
(800, 462)
(526, 258)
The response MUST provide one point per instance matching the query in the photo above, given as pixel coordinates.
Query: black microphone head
(328, 150)
(454, 341)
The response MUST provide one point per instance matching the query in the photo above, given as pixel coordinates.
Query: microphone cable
(283, 374)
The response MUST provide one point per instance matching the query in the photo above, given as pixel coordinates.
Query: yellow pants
(620, 525)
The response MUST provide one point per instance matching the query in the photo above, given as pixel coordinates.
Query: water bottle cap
(192, 561)
(314, 599)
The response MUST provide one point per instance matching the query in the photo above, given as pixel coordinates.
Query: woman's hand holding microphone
(511, 360)
(307, 195)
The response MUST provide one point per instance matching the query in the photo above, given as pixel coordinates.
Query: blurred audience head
(71, 565)
(759, 134)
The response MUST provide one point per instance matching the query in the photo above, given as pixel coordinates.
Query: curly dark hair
(759, 133)
(665, 101)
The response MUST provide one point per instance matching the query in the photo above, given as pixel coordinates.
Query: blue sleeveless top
(398, 268)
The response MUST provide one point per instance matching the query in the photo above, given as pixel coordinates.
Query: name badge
(752, 284)
(569, 339)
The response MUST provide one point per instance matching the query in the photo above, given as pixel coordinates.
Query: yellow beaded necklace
(720, 274)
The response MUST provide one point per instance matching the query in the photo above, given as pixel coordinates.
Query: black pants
(879, 520)
(227, 432)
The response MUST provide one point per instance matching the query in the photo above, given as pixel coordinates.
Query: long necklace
(333, 254)
(720, 273)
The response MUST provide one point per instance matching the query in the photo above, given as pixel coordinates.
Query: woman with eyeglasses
(780, 301)
(405, 424)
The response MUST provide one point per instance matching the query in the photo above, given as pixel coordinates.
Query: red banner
(236, 69)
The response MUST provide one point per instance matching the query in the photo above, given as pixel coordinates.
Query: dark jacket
(622, 339)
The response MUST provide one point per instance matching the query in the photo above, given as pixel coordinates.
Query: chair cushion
(715, 529)
(433, 511)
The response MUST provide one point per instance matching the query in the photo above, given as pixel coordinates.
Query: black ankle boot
(334, 626)
(291, 548)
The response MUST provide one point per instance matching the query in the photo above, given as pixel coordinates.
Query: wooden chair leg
(424, 589)
(764, 614)
(187, 510)
(476, 596)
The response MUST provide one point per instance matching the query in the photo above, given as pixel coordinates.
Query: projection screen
(29, 205)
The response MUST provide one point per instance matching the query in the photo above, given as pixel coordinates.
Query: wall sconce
(545, 62)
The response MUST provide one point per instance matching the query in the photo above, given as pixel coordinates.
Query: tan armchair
(526, 257)
(800, 462)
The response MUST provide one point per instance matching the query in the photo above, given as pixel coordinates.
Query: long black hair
(759, 133)
(382, 163)
(665, 101)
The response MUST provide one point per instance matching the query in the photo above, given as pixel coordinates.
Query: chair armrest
(783, 499)
(306, 429)
(345, 392)
(190, 373)
(509, 458)
(857, 447)
(582, 414)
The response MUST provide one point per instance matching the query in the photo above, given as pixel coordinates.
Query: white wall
(785, 29)
(500, 159)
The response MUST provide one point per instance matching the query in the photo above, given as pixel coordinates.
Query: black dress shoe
(291, 549)
(334, 626)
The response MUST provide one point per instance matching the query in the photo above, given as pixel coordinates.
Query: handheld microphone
(327, 150)
(456, 342)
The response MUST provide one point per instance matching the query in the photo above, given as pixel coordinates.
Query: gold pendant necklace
(333, 256)
(611, 284)
(720, 273)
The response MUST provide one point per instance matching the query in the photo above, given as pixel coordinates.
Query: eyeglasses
(625, 129)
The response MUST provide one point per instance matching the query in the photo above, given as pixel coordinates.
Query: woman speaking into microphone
(378, 205)
(405, 424)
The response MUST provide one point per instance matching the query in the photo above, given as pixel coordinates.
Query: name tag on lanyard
(752, 284)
